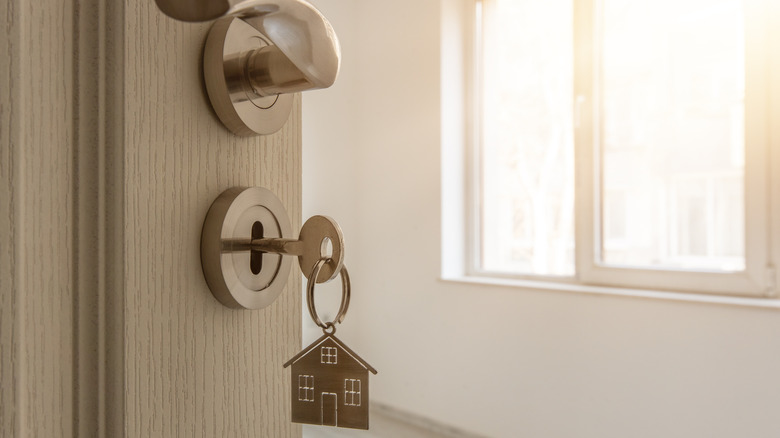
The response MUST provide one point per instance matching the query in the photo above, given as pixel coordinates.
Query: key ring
(345, 295)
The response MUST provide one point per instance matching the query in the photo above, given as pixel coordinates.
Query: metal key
(317, 234)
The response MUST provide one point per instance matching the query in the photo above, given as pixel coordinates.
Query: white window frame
(762, 166)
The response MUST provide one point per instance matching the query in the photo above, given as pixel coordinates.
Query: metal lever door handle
(259, 51)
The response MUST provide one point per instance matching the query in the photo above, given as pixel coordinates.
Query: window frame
(759, 279)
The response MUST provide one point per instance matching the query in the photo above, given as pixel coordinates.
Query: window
(329, 355)
(305, 388)
(352, 392)
(524, 128)
(622, 143)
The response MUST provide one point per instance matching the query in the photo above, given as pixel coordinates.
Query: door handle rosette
(258, 53)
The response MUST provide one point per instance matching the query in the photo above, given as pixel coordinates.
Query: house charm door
(329, 381)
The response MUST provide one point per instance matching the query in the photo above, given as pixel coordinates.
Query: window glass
(672, 134)
(525, 131)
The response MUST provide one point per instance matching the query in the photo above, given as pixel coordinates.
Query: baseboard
(386, 416)
(390, 422)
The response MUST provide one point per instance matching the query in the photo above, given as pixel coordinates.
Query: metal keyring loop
(345, 295)
(331, 326)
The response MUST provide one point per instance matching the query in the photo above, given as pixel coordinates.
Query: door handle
(257, 54)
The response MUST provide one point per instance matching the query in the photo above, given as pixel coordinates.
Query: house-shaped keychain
(329, 384)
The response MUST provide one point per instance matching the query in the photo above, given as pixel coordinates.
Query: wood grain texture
(192, 366)
(98, 242)
(109, 159)
(46, 219)
(36, 282)
(9, 140)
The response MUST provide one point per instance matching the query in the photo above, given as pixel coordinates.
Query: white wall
(490, 359)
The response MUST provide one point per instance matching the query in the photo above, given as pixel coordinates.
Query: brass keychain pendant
(329, 381)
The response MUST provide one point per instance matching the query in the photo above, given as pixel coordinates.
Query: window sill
(615, 291)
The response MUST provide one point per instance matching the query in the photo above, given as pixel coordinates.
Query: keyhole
(256, 257)
(326, 248)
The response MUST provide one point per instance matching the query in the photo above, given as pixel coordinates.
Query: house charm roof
(329, 385)
(338, 342)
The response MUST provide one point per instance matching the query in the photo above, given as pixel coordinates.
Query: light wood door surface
(110, 156)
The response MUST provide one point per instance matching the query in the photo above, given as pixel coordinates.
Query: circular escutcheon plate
(229, 273)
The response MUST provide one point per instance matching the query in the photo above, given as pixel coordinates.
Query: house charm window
(305, 388)
(352, 392)
(329, 355)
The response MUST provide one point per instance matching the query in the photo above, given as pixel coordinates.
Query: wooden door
(110, 156)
